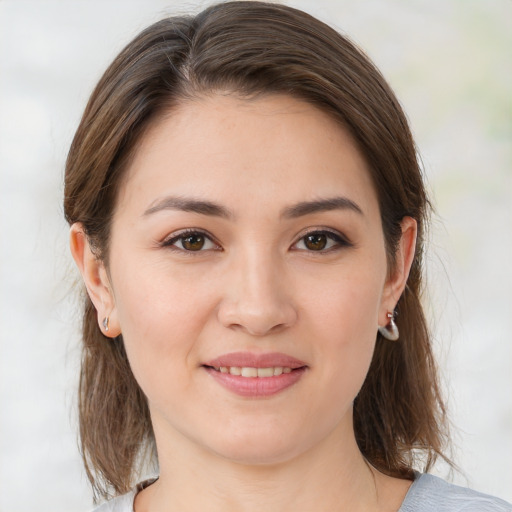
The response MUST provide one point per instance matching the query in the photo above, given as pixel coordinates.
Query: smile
(248, 371)
(253, 375)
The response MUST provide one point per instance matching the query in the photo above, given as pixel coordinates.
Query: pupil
(193, 242)
(316, 242)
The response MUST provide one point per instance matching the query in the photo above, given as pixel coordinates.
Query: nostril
(257, 319)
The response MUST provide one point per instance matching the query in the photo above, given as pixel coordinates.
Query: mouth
(248, 362)
(256, 375)
(252, 372)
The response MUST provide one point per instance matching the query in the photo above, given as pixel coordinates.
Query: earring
(105, 323)
(390, 331)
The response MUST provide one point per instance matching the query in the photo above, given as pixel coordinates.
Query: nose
(257, 298)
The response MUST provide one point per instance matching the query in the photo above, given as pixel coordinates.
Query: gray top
(431, 494)
(426, 494)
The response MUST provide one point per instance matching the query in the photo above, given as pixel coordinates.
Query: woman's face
(247, 240)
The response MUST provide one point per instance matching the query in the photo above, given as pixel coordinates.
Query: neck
(331, 476)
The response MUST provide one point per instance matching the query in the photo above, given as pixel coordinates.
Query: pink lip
(250, 360)
(255, 387)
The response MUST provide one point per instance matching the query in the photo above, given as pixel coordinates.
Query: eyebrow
(210, 208)
(189, 205)
(321, 205)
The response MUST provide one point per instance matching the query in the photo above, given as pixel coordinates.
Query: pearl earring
(105, 323)
(390, 331)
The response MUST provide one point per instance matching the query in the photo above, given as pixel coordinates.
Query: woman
(247, 213)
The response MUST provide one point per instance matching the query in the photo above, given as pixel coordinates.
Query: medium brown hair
(252, 48)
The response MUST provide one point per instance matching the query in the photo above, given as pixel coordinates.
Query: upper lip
(250, 360)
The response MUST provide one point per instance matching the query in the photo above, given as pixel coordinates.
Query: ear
(96, 280)
(397, 280)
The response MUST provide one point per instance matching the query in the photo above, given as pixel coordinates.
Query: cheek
(343, 321)
(347, 303)
(161, 317)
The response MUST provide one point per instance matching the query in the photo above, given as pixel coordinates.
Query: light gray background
(450, 64)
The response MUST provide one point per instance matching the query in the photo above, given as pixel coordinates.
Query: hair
(252, 48)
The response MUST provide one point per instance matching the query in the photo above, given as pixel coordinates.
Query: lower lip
(255, 387)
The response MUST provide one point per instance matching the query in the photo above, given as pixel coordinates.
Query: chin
(260, 448)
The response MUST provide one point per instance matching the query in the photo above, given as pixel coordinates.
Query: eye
(191, 241)
(321, 241)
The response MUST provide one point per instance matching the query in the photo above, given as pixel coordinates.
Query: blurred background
(450, 63)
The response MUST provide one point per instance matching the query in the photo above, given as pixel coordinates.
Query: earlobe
(396, 282)
(96, 280)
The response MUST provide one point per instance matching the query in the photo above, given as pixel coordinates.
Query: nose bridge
(257, 299)
(258, 264)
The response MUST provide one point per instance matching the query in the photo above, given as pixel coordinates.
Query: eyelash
(169, 242)
(340, 241)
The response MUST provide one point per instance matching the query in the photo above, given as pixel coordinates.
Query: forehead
(275, 149)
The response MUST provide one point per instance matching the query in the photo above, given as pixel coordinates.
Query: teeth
(265, 372)
(248, 371)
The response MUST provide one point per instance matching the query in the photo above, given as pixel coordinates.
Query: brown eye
(193, 242)
(315, 241)
(322, 241)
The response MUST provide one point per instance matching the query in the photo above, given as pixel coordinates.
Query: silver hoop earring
(390, 331)
(105, 323)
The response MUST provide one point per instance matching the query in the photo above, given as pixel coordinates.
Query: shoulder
(122, 503)
(431, 494)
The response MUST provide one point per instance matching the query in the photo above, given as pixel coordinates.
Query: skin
(256, 287)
